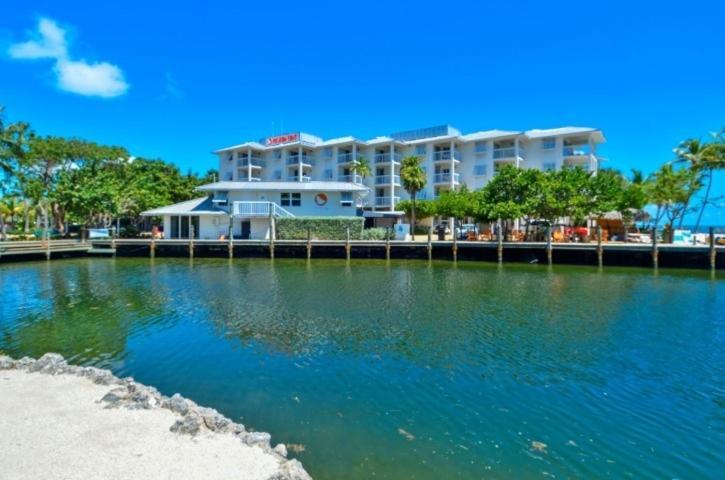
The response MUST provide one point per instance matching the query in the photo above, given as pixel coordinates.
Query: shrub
(321, 228)
(377, 233)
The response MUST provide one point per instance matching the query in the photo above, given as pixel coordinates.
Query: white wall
(308, 207)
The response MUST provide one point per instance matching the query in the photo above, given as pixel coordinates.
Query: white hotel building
(303, 175)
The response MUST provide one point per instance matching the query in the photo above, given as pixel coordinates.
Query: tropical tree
(423, 208)
(670, 190)
(361, 167)
(694, 153)
(633, 198)
(711, 160)
(413, 179)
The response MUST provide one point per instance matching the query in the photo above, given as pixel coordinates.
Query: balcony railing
(296, 178)
(254, 161)
(295, 159)
(386, 201)
(385, 157)
(446, 178)
(442, 155)
(576, 151)
(351, 178)
(259, 209)
(349, 157)
(387, 179)
(508, 152)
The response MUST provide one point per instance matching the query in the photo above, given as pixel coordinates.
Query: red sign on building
(280, 139)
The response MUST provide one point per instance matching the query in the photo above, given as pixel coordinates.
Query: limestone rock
(6, 363)
(189, 423)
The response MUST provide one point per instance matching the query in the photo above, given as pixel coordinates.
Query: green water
(407, 370)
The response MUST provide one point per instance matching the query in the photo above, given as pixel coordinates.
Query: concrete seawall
(72, 422)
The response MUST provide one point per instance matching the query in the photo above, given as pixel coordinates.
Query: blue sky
(175, 80)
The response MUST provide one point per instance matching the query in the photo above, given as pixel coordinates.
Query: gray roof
(284, 186)
(198, 206)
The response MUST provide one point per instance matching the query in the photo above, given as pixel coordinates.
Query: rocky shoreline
(190, 418)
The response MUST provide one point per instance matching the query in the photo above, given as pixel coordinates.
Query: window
(420, 150)
(328, 174)
(480, 147)
(346, 199)
(549, 166)
(174, 227)
(548, 143)
(290, 199)
(328, 151)
(479, 170)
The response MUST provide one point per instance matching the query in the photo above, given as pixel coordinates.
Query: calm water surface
(407, 370)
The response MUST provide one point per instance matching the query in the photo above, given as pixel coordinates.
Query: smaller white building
(248, 206)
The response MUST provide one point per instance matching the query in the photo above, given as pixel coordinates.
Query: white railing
(306, 159)
(446, 155)
(385, 157)
(387, 179)
(255, 161)
(350, 178)
(509, 152)
(349, 157)
(259, 209)
(576, 151)
(386, 201)
(296, 178)
(446, 178)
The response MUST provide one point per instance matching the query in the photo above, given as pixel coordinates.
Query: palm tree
(713, 158)
(361, 167)
(413, 178)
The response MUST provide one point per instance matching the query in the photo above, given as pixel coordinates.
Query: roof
(284, 186)
(198, 206)
(488, 134)
(555, 132)
(252, 145)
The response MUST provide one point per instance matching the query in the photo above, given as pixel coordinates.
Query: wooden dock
(43, 248)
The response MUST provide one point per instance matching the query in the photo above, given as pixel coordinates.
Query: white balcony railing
(256, 162)
(446, 178)
(387, 179)
(386, 201)
(350, 178)
(259, 209)
(305, 160)
(385, 157)
(442, 155)
(501, 153)
(296, 178)
(245, 178)
(349, 157)
(581, 151)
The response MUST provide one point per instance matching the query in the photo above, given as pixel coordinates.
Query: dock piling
(387, 243)
(191, 241)
(499, 240)
(230, 245)
(600, 250)
(713, 252)
(152, 248)
(549, 250)
(655, 249)
(271, 232)
(430, 243)
(309, 243)
(455, 246)
(347, 245)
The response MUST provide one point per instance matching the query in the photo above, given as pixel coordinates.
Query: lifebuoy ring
(321, 199)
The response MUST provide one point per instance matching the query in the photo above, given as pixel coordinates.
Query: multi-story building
(301, 174)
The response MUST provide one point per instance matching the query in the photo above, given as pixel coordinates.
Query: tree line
(55, 182)
(679, 187)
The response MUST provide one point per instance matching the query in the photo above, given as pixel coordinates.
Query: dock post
(47, 244)
(713, 252)
(191, 241)
(655, 249)
(152, 247)
(309, 243)
(549, 250)
(113, 241)
(600, 250)
(231, 237)
(455, 247)
(347, 245)
(271, 234)
(387, 243)
(430, 243)
(499, 240)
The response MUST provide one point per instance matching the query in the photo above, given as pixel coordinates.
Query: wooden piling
(430, 243)
(455, 246)
(271, 235)
(655, 249)
(499, 240)
(347, 245)
(549, 248)
(191, 241)
(713, 251)
(309, 243)
(600, 249)
(152, 248)
(230, 245)
(387, 243)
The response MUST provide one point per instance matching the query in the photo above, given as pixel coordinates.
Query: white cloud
(96, 80)
(48, 42)
(99, 79)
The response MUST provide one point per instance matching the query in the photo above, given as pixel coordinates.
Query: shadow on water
(406, 369)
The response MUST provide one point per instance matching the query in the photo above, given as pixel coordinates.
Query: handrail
(259, 209)
(387, 179)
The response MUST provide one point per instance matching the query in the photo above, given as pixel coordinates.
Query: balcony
(508, 153)
(386, 201)
(445, 178)
(258, 209)
(576, 151)
(296, 178)
(385, 157)
(387, 180)
(255, 162)
(350, 178)
(447, 156)
(245, 178)
(304, 160)
(343, 158)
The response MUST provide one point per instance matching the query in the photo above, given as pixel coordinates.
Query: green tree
(711, 160)
(413, 179)
(361, 167)
(694, 154)
(670, 190)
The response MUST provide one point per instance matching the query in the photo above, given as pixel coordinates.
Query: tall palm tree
(413, 178)
(713, 158)
(693, 152)
(361, 167)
